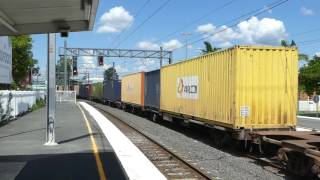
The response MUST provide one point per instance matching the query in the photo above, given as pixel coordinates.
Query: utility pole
(65, 65)
(186, 34)
(113, 71)
(161, 57)
(51, 90)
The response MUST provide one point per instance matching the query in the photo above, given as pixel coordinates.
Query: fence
(13, 103)
(66, 96)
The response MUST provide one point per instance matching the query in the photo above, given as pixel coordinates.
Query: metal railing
(62, 96)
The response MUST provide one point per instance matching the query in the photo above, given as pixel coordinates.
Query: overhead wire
(198, 19)
(143, 22)
(258, 12)
(127, 27)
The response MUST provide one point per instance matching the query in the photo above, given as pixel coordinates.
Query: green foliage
(22, 58)
(303, 57)
(284, 43)
(39, 104)
(60, 71)
(209, 48)
(111, 73)
(309, 76)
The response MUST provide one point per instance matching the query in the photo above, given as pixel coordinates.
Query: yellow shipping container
(132, 89)
(251, 87)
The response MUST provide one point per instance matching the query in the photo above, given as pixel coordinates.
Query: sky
(149, 24)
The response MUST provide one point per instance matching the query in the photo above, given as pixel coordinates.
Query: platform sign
(5, 60)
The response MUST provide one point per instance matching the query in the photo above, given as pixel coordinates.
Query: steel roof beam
(7, 22)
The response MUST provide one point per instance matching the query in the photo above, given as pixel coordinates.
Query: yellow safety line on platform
(94, 147)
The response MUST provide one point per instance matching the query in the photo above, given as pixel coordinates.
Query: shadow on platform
(63, 166)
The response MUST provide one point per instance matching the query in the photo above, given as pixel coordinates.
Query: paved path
(23, 155)
(309, 123)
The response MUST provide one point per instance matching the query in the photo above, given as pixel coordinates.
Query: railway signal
(100, 60)
(74, 65)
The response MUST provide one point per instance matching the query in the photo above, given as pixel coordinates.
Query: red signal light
(100, 60)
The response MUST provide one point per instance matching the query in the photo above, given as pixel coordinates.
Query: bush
(39, 104)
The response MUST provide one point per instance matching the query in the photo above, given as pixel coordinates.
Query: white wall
(307, 106)
(21, 100)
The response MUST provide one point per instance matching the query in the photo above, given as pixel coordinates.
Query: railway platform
(82, 152)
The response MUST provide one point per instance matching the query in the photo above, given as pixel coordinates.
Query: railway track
(174, 166)
(169, 163)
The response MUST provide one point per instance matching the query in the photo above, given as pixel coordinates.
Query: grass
(309, 113)
(39, 104)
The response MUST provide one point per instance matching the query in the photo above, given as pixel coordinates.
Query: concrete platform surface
(23, 155)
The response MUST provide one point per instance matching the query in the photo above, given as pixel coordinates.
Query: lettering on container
(244, 111)
(188, 87)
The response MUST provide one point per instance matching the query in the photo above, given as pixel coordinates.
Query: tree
(60, 71)
(22, 58)
(209, 48)
(303, 57)
(309, 76)
(111, 74)
(284, 43)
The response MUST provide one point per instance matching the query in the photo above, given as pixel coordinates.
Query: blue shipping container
(112, 90)
(152, 89)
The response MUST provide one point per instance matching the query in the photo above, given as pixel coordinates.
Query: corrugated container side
(152, 89)
(85, 90)
(112, 90)
(241, 87)
(266, 87)
(97, 90)
(81, 90)
(132, 89)
(200, 88)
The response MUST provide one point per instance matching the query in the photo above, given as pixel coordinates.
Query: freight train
(247, 93)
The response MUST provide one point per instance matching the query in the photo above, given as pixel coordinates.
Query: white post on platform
(51, 90)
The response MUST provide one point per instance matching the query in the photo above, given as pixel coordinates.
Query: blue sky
(287, 21)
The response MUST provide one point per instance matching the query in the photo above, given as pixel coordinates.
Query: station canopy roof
(46, 16)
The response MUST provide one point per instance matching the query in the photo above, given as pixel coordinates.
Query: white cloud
(147, 62)
(148, 45)
(225, 44)
(115, 20)
(106, 66)
(318, 54)
(264, 31)
(267, 31)
(306, 11)
(88, 62)
(121, 69)
(172, 44)
(206, 28)
(168, 45)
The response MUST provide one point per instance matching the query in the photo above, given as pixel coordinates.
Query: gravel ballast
(218, 163)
